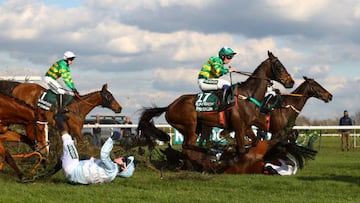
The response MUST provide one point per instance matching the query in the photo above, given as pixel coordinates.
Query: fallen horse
(271, 157)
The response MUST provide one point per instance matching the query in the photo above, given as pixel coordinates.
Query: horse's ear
(104, 87)
(305, 78)
(270, 54)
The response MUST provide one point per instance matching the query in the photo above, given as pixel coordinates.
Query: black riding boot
(263, 108)
(224, 103)
(59, 119)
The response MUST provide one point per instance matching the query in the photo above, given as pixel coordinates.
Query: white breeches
(212, 84)
(54, 85)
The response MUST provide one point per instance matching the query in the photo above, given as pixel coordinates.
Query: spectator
(126, 131)
(97, 132)
(345, 133)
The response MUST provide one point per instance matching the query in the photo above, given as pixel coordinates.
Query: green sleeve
(66, 74)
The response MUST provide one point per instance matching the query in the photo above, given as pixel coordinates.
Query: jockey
(59, 69)
(90, 171)
(270, 93)
(213, 68)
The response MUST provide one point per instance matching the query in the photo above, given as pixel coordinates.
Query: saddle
(48, 100)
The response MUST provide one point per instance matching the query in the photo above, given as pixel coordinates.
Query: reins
(83, 100)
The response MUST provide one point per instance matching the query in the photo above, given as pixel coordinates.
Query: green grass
(334, 176)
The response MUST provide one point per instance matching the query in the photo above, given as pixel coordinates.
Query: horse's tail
(146, 125)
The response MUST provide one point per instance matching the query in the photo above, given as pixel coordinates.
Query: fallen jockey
(91, 170)
(280, 167)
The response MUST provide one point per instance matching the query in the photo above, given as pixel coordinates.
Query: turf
(333, 176)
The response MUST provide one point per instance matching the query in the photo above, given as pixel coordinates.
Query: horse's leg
(10, 136)
(205, 132)
(8, 159)
(190, 137)
(240, 138)
(253, 137)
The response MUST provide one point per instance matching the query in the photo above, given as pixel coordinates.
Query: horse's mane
(7, 86)
(257, 69)
(302, 85)
(282, 147)
(90, 93)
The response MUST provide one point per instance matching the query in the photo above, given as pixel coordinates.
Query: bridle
(276, 69)
(315, 93)
(275, 72)
(36, 146)
(106, 98)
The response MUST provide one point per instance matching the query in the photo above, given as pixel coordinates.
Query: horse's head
(279, 73)
(314, 89)
(109, 101)
(38, 132)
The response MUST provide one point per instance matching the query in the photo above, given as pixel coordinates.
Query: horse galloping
(182, 115)
(13, 111)
(78, 108)
(282, 120)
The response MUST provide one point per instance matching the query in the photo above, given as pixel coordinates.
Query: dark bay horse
(182, 115)
(78, 109)
(282, 120)
(14, 111)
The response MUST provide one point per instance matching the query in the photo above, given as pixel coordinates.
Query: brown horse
(282, 120)
(13, 111)
(78, 109)
(224, 160)
(267, 151)
(182, 115)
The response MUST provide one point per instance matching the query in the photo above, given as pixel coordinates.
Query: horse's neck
(256, 84)
(87, 102)
(296, 101)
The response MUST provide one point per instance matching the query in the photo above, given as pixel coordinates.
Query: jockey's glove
(75, 91)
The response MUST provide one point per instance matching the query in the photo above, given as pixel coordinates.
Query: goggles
(229, 57)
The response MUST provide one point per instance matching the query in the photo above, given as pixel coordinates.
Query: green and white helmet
(226, 51)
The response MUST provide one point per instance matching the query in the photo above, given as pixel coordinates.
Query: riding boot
(224, 103)
(59, 119)
(263, 108)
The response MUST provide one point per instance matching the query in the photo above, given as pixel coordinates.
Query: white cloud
(148, 4)
(144, 57)
(297, 10)
(357, 11)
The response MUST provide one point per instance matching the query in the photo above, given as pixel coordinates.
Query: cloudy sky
(150, 51)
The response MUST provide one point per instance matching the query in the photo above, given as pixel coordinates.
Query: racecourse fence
(177, 138)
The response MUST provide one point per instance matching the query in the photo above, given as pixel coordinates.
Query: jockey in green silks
(61, 69)
(213, 69)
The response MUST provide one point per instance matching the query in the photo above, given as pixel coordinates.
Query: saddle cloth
(48, 100)
(207, 102)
